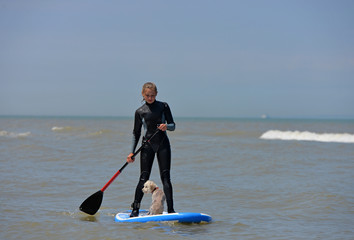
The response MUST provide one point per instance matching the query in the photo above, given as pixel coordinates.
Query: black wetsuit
(150, 116)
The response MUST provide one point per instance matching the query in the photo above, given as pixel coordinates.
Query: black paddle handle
(142, 145)
(126, 164)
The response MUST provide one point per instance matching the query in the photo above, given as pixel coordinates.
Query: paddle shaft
(126, 164)
(93, 203)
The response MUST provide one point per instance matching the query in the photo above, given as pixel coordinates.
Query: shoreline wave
(14, 135)
(308, 136)
(68, 129)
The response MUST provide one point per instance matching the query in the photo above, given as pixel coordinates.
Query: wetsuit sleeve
(171, 126)
(136, 131)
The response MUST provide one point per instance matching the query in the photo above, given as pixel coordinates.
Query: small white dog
(158, 197)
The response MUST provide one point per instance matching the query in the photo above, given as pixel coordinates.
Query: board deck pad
(182, 217)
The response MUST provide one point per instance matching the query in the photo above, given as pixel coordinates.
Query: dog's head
(149, 187)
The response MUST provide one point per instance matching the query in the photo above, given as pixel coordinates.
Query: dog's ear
(152, 186)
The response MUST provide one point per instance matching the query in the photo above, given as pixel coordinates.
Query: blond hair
(149, 85)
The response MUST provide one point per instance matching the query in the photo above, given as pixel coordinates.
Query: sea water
(257, 178)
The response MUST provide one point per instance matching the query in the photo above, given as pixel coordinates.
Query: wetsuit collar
(150, 104)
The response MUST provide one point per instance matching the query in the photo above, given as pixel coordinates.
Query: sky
(226, 58)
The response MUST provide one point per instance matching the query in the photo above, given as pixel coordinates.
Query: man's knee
(165, 176)
(144, 176)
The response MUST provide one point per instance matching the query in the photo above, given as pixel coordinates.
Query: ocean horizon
(261, 117)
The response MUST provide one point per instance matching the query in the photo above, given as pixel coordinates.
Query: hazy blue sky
(286, 58)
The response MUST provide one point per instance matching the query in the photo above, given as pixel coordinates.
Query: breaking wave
(308, 136)
(61, 129)
(14, 135)
(81, 131)
(68, 129)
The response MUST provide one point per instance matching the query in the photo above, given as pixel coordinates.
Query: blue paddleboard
(182, 217)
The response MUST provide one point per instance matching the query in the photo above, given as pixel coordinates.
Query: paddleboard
(182, 217)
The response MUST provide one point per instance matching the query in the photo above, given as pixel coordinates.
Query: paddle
(93, 203)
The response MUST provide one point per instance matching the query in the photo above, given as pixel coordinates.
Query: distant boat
(264, 116)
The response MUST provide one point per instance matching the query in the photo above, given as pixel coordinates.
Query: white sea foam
(57, 128)
(68, 129)
(63, 129)
(14, 135)
(308, 136)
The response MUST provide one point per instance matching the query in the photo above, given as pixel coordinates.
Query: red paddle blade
(92, 203)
